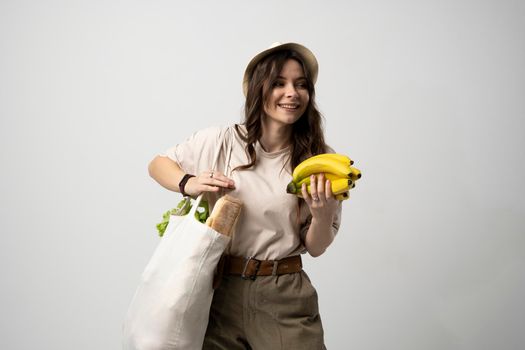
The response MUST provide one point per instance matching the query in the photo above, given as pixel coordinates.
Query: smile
(288, 106)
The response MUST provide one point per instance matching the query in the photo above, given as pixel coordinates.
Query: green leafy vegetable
(183, 208)
(202, 212)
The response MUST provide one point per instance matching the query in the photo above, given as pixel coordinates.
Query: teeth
(289, 106)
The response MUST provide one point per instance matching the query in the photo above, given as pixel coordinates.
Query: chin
(289, 120)
(284, 118)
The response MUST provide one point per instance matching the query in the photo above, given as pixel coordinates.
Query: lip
(295, 106)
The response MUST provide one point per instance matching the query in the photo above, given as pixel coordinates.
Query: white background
(426, 96)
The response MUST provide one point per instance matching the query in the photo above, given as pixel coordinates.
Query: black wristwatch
(182, 183)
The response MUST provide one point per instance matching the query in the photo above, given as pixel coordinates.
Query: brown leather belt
(250, 268)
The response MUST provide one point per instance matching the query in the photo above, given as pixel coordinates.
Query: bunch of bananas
(336, 167)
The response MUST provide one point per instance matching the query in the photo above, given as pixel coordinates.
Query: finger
(207, 188)
(229, 182)
(313, 188)
(321, 186)
(328, 189)
(221, 177)
(217, 180)
(305, 194)
(220, 183)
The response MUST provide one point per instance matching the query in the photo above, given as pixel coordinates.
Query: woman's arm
(320, 234)
(168, 174)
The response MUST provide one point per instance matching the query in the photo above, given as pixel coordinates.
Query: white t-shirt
(269, 226)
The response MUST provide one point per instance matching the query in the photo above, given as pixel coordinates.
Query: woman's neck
(275, 137)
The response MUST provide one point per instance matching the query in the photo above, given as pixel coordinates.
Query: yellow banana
(320, 164)
(355, 173)
(296, 187)
(338, 186)
(329, 176)
(336, 156)
(342, 196)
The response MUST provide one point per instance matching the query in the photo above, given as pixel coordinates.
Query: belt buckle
(247, 261)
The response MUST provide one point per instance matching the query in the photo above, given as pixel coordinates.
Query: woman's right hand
(208, 181)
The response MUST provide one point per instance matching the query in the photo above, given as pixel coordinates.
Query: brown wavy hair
(307, 132)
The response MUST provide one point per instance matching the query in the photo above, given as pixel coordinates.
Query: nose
(291, 91)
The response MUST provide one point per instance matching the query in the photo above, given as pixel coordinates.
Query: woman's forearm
(319, 236)
(166, 172)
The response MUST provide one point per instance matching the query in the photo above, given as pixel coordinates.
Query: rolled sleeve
(195, 154)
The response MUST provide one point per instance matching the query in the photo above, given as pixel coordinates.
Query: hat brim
(308, 58)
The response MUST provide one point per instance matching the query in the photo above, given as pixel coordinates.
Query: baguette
(225, 214)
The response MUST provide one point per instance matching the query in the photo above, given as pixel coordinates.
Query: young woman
(265, 300)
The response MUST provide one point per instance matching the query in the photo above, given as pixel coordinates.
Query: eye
(302, 85)
(278, 84)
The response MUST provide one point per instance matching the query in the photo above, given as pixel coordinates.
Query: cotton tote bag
(170, 308)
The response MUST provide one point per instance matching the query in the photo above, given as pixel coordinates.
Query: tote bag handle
(227, 156)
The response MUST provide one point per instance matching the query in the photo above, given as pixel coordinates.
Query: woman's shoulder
(210, 133)
(218, 129)
(211, 136)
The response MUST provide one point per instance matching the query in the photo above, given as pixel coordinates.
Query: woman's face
(289, 95)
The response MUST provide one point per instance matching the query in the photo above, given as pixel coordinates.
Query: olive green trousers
(268, 313)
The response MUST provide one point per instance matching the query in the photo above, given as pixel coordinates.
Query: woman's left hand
(321, 201)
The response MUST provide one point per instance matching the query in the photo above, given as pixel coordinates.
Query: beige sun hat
(308, 57)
